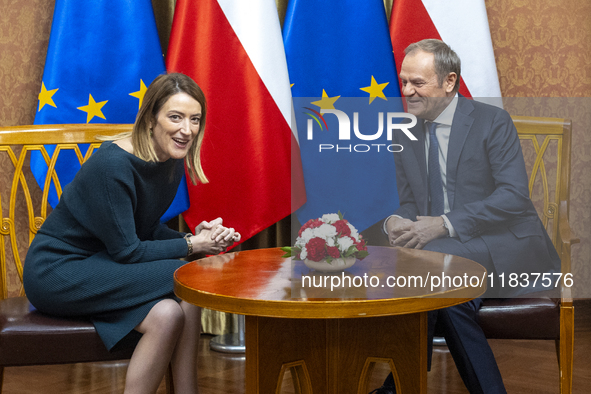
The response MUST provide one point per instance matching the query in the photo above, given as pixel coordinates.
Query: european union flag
(339, 57)
(101, 57)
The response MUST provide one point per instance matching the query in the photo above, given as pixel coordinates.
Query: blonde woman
(103, 253)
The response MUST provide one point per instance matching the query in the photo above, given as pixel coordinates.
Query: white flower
(354, 232)
(304, 253)
(330, 218)
(307, 235)
(326, 231)
(345, 243)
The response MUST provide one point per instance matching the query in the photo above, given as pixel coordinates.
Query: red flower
(312, 223)
(342, 228)
(361, 245)
(333, 252)
(316, 249)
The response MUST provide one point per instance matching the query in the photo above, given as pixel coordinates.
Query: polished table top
(389, 281)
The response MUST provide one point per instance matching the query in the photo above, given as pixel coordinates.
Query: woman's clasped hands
(213, 237)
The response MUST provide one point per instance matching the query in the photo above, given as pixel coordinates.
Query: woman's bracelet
(189, 244)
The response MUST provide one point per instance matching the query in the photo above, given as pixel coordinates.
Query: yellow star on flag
(326, 102)
(375, 90)
(45, 96)
(93, 109)
(140, 93)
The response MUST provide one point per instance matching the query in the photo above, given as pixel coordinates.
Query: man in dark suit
(463, 190)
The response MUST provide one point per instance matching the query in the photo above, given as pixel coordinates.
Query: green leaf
(289, 251)
(351, 251)
(362, 254)
(340, 215)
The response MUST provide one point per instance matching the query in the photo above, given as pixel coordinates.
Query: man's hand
(420, 233)
(396, 226)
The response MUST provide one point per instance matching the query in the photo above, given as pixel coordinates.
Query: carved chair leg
(566, 348)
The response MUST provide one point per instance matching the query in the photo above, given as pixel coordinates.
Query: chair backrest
(23, 206)
(546, 145)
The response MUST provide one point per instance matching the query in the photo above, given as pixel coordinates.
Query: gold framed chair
(546, 143)
(28, 337)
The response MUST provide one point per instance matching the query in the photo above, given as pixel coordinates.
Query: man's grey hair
(446, 59)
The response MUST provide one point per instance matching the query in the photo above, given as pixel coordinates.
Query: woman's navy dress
(103, 253)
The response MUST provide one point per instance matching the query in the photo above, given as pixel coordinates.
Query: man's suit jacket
(487, 188)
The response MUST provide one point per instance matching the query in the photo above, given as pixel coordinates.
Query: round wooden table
(330, 330)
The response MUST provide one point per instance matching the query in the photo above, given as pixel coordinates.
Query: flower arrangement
(327, 238)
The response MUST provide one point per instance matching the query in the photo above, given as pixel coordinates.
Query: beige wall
(542, 49)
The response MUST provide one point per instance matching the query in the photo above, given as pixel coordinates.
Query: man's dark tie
(435, 185)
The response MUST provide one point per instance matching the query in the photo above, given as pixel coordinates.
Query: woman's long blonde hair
(158, 93)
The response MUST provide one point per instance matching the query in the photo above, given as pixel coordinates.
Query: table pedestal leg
(335, 355)
(230, 343)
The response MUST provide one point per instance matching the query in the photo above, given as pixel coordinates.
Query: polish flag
(234, 51)
(463, 25)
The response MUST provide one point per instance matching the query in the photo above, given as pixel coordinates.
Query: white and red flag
(234, 51)
(463, 25)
